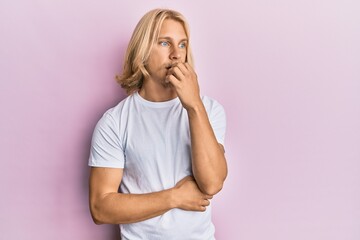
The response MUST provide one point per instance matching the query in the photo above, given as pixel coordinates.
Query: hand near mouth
(170, 65)
(184, 80)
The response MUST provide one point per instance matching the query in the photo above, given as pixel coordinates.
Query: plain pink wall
(287, 73)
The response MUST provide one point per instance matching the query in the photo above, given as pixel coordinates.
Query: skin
(170, 77)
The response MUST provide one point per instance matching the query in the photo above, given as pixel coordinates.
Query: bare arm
(109, 206)
(208, 159)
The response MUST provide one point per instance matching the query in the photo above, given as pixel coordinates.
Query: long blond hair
(143, 38)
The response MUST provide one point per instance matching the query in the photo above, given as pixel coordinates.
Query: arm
(109, 206)
(208, 159)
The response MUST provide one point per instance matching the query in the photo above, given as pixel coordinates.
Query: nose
(175, 54)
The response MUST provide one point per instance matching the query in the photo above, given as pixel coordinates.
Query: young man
(162, 145)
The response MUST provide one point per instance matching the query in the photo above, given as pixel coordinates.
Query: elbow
(212, 189)
(96, 215)
(96, 219)
(97, 222)
(214, 186)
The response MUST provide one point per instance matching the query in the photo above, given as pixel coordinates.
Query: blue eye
(164, 44)
(182, 45)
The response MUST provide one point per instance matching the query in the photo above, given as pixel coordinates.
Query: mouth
(170, 65)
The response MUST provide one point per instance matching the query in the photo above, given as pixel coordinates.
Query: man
(162, 145)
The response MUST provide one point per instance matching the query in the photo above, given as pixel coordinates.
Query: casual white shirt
(151, 142)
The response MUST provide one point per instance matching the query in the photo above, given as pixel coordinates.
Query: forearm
(118, 208)
(208, 160)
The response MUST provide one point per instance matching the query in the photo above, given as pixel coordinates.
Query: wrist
(195, 108)
(172, 198)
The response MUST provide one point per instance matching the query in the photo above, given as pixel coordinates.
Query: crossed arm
(109, 206)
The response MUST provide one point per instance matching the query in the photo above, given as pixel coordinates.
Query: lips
(170, 65)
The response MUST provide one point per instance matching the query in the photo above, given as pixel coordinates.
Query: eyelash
(181, 45)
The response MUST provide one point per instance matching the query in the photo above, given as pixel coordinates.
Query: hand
(187, 196)
(184, 79)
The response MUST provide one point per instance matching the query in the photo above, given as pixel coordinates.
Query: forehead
(172, 29)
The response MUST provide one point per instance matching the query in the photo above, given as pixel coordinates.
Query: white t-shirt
(151, 142)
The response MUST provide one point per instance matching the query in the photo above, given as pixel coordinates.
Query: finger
(208, 197)
(178, 73)
(190, 70)
(187, 178)
(173, 80)
(202, 209)
(206, 202)
(183, 68)
(188, 67)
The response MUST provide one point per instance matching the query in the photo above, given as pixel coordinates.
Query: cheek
(158, 57)
(184, 56)
(184, 53)
(153, 60)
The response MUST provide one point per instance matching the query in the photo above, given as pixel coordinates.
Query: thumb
(187, 178)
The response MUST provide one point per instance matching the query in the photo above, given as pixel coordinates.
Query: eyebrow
(171, 39)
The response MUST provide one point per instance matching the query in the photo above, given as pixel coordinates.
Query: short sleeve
(217, 120)
(106, 148)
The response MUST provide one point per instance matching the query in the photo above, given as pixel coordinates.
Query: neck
(157, 92)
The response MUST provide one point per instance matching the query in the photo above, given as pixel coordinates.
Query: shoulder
(116, 111)
(114, 115)
(212, 105)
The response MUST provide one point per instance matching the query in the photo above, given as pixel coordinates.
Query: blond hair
(143, 38)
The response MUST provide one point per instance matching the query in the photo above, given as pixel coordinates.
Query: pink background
(287, 73)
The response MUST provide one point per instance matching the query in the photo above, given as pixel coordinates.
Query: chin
(166, 84)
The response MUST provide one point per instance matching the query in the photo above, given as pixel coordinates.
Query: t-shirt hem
(105, 165)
